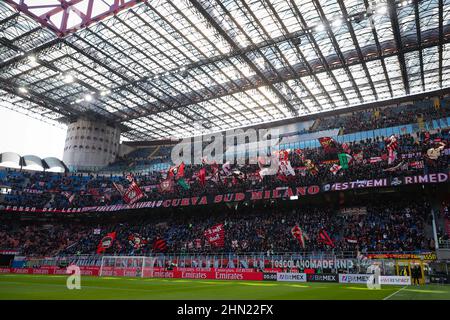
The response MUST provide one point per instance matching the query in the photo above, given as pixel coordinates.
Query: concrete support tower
(90, 144)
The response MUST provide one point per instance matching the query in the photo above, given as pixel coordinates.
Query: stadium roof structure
(163, 68)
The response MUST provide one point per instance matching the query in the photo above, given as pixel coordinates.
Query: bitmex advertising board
(363, 278)
(322, 277)
(270, 194)
(354, 278)
(294, 277)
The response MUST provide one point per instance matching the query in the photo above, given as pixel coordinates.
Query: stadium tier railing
(444, 244)
(349, 262)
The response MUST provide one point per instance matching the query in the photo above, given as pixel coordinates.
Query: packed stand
(311, 166)
(396, 226)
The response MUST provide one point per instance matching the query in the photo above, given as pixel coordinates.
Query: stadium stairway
(315, 124)
(154, 152)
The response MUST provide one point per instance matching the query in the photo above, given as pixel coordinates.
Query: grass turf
(54, 287)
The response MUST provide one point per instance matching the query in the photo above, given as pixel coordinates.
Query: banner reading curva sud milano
(253, 195)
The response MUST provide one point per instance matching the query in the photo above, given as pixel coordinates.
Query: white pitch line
(393, 294)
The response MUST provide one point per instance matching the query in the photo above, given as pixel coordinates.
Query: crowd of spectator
(397, 226)
(382, 117)
(43, 189)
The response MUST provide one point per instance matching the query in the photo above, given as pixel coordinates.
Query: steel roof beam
(419, 41)
(224, 34)
(319, 53)
(283, 58)
(398, 41)
(304, 60)
(358, 48)
(441, 39)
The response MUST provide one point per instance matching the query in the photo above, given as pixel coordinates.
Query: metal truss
(166, 68)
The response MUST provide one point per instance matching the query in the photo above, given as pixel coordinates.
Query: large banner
(254, 195)
(313, 263)
(216, 235)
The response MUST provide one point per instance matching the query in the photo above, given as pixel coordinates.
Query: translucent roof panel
(164, 69)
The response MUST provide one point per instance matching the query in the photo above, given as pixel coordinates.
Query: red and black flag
(202, 176)
(391, 146)
(136, 241)
(159, 245)
(133, 193)
(216, 235)
(325, 238)
(215, 172)
(167, 185)
(176, 171)
(328, 144)
(106, 242)
(298, 234)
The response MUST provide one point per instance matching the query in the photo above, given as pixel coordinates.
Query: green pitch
(54, 287)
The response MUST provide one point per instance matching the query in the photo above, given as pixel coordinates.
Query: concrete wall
(90, 144)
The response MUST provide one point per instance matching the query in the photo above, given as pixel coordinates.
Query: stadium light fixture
(23, 90)
(320, 27)
(382, 10)
(337, 22)
(88, 97)
(68, 78)
(32, 59)
(105, 93)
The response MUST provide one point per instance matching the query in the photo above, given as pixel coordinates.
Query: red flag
(298, 234)
(215, 175)
(202, 176)
(106, 242)
(327, 143)
(325, 238)
(216, 235)
(133, 193)
(346, 148)
(159, 245)
(166, 185)
(180, 172)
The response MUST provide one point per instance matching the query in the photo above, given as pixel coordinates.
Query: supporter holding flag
(106, 242)
(298, 234)
(202, 176)
(215, 175)
(344, 160)
(325, 238)
(391, 146)
(335, 168)
(328, 144)
(286, 168)
(226, 168)
(181, 181)
(358, 156)
(133, 193)
(311, 167)
(346, 148)
(166, 186)
(216, 235)
(159, 245)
